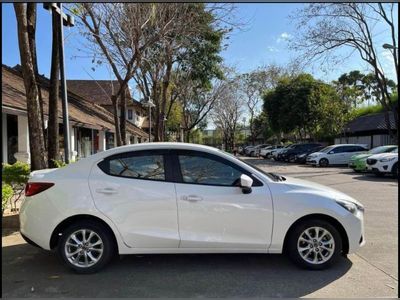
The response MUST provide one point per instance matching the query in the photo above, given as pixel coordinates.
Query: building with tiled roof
(92, 126)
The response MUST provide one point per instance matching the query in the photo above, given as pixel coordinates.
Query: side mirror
(245, 183)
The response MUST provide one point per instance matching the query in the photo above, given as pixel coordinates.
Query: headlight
(350, 206)
(387, 159)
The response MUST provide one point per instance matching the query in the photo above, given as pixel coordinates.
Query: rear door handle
(107, 191)
(192, 198)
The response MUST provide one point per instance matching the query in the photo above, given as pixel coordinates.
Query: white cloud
(272, 49)
(284, 37)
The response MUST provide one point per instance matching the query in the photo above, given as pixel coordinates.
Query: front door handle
(107, 191)
(192, 198)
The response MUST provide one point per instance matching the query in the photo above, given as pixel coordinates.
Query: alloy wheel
(316, 245)
(84, 248)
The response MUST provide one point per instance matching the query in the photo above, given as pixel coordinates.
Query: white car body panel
(147, 218)
(342, 158)
(383, 166)
(224, 217)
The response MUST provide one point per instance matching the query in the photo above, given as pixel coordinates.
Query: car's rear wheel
(86, 246)
(314, 244)
(324, 162)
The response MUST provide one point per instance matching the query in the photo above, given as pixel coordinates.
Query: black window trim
(159, 152)
(174, 155)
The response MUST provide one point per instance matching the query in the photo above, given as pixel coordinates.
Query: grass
(373, 109)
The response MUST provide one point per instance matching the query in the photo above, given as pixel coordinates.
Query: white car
(335, 155)
(384, 163)
(266, 152)
(184, 198)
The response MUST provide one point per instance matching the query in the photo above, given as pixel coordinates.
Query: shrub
(59, 163)
(16, 176)
(6, 194)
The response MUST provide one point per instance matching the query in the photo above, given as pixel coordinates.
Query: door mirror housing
(245, 183)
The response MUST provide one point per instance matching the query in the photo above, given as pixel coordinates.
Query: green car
(359, 162)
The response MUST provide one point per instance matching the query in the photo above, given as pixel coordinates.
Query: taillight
(33, 188)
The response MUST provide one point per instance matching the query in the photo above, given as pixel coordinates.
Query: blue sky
(262, 41)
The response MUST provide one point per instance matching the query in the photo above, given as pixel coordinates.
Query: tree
(305, 106)
(182, 63)
(227, 112)
(54, 91)
(28, 63)
(120, 34)
(327, 27)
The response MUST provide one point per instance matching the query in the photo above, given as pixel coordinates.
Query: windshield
(272, 176)
(327, 149)
(395, 150)
(381, 149)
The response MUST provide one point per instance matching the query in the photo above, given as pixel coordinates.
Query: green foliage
(372, 109)
(305, 105)
(6, 194)
(59, 163)
(16, 174)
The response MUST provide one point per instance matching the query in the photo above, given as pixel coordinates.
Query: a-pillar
(102, 140)
(23, 153)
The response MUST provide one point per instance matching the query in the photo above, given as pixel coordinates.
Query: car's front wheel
(314, 244)
(395, 170)
(86, 246)
(324, 162)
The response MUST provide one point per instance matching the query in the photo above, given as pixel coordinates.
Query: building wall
(372, 140)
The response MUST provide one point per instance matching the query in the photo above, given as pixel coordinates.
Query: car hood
(316, 153)
(360, 156)
(383, 155)
(316, 188)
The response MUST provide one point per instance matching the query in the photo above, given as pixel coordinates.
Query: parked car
(359, 162)
(302, 157)
(255, 150)
(275, 153)
(290, 154)
(266, 152)
(384, 163)
(184, 198)
(247, 149)
(335, 155)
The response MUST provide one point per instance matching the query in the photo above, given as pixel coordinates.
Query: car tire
(292, 158)
(395, 171)
(88, 259)
(252, 154)
(323, 162)
(311, 253)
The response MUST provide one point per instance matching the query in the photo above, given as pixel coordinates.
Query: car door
(133, 190)
(336, 155)
(213, 211)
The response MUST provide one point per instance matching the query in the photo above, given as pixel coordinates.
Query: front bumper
(358, 165)
(379, 168)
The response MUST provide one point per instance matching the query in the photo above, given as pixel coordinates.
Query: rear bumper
(30, 242)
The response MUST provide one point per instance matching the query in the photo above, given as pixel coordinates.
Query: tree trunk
(54, 92)
(31, 18)
(35, 120)
(123, 116)
(114, 101)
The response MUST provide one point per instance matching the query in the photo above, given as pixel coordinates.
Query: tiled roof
(98, 91)
(81, 112)
(372, 122)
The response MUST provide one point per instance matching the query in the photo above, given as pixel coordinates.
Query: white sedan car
(335, 155)
(384, 163)
(184, 198)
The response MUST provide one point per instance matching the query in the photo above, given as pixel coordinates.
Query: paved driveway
(31, 272)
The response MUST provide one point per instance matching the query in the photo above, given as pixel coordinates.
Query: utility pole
(65, 20)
